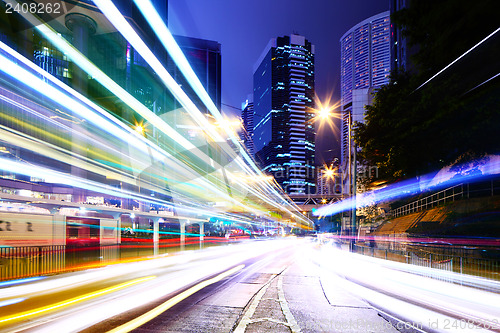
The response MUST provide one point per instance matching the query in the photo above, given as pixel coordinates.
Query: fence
(26, 261)
(461, 191)
(31, 261)
(441, 259)
(110, 253)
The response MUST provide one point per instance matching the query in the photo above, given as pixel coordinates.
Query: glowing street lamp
(139, 129)
(324, 114)
(328, 173)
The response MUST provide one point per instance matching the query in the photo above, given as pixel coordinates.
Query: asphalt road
(286, 285)
(278, 292)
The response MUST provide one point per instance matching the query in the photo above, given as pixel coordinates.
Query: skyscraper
(399, 49)
(283, 101)
(247, 118)
(204, 56)
(365, 66)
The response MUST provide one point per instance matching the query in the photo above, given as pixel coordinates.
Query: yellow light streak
(150, 315)
(145, 113)
(72, 301)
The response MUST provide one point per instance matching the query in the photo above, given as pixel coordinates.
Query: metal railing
(464, 263)
(28, 261)
(461, 191)
(447, 195)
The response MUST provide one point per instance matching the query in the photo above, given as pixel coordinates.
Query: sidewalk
(300, 299)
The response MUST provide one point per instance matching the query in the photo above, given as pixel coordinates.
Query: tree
(412, 129)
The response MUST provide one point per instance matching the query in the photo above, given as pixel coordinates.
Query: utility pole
(352, 179)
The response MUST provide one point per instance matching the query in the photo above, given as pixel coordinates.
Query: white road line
(284, 307)
(246, 318)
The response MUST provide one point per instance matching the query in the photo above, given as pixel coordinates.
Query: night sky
(244, 27)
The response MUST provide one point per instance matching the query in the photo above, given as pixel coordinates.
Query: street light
(323, 113)
(139, 128)
(352, 175)
(329, 173)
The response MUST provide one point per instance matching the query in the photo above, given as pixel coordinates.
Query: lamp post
(324, 114)
(352, 178)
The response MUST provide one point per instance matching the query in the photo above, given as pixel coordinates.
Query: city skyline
(247, 29)
(130, 203)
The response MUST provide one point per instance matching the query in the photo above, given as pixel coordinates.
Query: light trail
(199, 189)
(11, 301)
(20, 281)
(152, 16)
(25, 77)
(163, 33)
(173, 301)
(173, 275)
(43, 310)
(406, 188)
(135, 140)
(407, 292)
(454, 61)
(484, 82)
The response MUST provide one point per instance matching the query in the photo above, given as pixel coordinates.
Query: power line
(454, 61)
(234, 107)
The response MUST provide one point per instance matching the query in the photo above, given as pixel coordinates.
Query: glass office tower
(365, 66)
(284, 134)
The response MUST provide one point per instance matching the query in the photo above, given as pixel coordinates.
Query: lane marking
(141, 320)
(41, 310)
(246, 319)
(290, 319)
(284, 307)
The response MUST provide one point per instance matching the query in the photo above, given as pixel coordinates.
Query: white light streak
(463, 55)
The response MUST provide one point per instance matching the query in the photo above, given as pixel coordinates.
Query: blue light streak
(411, 187)
(20, 281)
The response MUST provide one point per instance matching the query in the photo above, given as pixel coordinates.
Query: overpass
(308, 202)
(111, 169)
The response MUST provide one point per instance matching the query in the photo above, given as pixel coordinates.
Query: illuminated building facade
(204, 56)
(247, 115)
(89, 31)
(284, 136)
(399, 47)
(365, 66)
